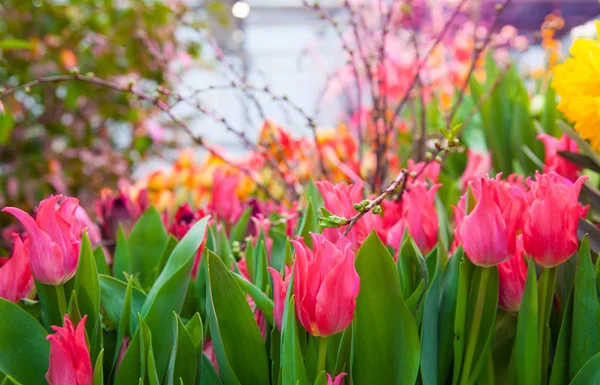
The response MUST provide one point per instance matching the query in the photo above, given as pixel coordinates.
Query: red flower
(488, 233)
(224, 203)
(478, 165)
(326, 285)
(553, 161)
(339, 200)
(419, 216)
(54, 239)
(69, 355)
(16, 281)
(512, 276)
(550, 231)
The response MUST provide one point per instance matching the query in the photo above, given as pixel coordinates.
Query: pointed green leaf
(526, 345)
(146, 241)
(100, 259)
(235, 335)
(88, 293)
(585, 335)
(182, 364)
(589, 373)
(99, 370)
(122, 257)
(382, 322)
(24, 351)
(165, 297)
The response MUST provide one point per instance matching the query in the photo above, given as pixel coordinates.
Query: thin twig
(142, 96)
(390, 189)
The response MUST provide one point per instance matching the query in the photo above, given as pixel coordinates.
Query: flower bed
(379, 271)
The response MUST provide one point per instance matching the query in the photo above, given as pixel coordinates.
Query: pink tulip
(69, 355)
(224, 202)
(478, 165)
(54, 239)
(553, 161)
(16, 281)
(488, 233)
(512, 276)
(339, 200)
(338, 379)
(326, 285)
(550, 230)
(279, 292)
(419, 216)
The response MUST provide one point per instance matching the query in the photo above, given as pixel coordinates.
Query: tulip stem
(62, 301)
(322, 354)
(546, 295)
(472, 341)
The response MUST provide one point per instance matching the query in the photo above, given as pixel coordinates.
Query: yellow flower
(577, 82)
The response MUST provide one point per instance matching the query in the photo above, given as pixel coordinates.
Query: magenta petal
(336, 299)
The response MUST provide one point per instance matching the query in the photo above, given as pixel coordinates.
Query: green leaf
(113, 297)
(236, 338)
(480, 320)
(414, 277)
(460, 317)
(262, 275)
(122, 257)
(24, 351)
(7, 124)
(382, 322)
(560, 366)
(264, 303)
(309, 223)
(589, 373)
(127, 316)
(447, 314)
(16, 44)
(526, 358)
(293, 371)
(430, 327)
(88, 294)
(580, 160)
(238, 231)
(182, 364)
(165, 297)
(100, 259)
(98, 370)
(10, 381)
(166, 253)
(585, 335)
(195, 329)
(209, 375)
(147, 238)
(73, 309)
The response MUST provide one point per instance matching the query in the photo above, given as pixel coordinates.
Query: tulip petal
(336, 299)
